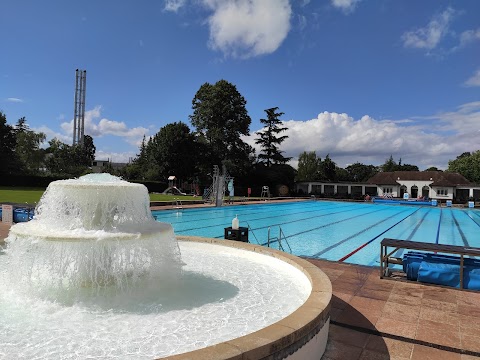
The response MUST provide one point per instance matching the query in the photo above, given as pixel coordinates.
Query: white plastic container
(235, 223)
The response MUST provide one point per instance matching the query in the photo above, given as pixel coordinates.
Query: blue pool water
(345, 231)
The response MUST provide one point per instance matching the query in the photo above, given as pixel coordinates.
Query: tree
(389, 165)
(63, 159)
(433, 168)
(269, 139)
(9, 162)
(467, 165)
(407, 167)
(173, 151)
(28, 146)
(341, 174)
(139, 166)
(329, 168)
(88, 150)
(359, 172)
(309, 167)
(220, 115)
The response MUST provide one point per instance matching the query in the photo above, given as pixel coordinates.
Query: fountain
(94, 275)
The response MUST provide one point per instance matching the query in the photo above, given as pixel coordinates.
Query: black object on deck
(240, 234)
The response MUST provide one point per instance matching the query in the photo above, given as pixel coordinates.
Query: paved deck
(373, 318)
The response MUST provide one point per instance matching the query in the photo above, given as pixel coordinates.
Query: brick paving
(373, 318)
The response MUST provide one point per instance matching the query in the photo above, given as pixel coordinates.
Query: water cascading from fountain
(91, 235)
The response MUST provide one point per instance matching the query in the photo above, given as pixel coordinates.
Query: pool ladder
(281, 239)
(250, 230)
(178, 205)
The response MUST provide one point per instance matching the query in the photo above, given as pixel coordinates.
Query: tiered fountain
(93, 275)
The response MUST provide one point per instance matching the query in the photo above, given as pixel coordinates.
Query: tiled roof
(438, 178)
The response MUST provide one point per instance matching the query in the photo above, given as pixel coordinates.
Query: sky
(358, 80)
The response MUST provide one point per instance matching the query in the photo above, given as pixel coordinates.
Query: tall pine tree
(270, 140)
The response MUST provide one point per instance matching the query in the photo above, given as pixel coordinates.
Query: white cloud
(469, 36)
(372, 141)
(115, 157)
(174, 5)
(346, 6)
(15, 100)
(67, 139)
(429, 36)
(98, 128)
(474, 80)
(247, 28)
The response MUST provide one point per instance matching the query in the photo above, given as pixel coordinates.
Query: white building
(428, 184)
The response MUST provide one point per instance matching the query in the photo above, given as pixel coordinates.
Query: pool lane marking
(438, 227)
(318, 254)
(236, 209)
(376, 237)
(325, 225)
(400, 251)
(298, 220)
(224, 218)
(468, 214)
(462, 235)
(351, 208)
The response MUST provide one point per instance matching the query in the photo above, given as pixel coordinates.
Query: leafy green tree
(389, 165)
(28, 146)
(220, 115)
(359, 172)
(65, 160)
(329, 168)
(275, 175)
(138, 168)
(9, 162)
(309, 167)
(241, 161)
(173, 151)
(341, 174)
(407, 167)
(468, 165)
(433, 168)
(270, 140)
(88, 150)
(464, 155)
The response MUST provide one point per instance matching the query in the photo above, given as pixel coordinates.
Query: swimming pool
(340, 231)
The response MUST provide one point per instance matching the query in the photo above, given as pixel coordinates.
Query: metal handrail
(178, 204)
(251, 231)
(279, 240)
(284, 238)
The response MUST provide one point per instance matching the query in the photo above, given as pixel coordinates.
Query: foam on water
(88, 233)
(222, 293)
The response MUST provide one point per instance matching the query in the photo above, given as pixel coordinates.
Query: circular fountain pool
(142, 295)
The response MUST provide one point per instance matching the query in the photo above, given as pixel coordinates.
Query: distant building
(429, 184)
(99, 166)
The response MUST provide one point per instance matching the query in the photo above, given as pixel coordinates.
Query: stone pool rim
(288, 335)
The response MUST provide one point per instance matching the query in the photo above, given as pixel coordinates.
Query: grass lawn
(161, 197)
(22, 195)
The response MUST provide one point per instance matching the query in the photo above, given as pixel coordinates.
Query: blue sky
(356, 79)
